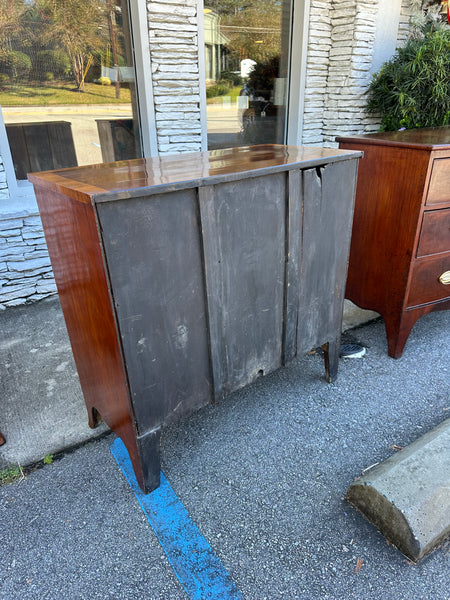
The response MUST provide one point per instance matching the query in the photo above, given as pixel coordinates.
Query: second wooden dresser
(400, 249)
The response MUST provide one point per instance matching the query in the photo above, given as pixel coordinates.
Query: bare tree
(253, 27)
(11, 12)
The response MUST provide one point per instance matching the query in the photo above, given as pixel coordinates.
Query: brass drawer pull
(445, 278)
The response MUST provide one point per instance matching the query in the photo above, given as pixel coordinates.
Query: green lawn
(57, 93)
(233, 94)
(61, 93)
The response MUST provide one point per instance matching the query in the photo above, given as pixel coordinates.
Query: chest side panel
(75, 250)
(389, 197)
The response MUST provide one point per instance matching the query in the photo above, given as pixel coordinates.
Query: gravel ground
(263, 474)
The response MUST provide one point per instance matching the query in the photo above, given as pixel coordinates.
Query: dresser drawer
(439, 188)
(435, 232)
(425, 284)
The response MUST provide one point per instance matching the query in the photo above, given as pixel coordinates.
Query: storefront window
(67, 83)
(247, 50)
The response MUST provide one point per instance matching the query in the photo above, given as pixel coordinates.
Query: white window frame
(297, 76)
(202, 73)
(21, 192)
(17, 188)
(143, 69)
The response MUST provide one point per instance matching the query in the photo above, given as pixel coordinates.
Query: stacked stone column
(173, 32)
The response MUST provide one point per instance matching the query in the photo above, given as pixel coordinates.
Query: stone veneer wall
(317, 67)
(352, 37)
(340, 49)
(406, 12)
(25, 271)
(4, 192)
(173, 31)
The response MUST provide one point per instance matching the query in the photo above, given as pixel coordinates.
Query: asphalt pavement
(263, 475)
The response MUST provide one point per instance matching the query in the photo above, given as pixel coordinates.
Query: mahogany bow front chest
(183, 278)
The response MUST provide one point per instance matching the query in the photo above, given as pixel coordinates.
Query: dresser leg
(149, 448)
(331, 359)
(94, 418)
(398, 329)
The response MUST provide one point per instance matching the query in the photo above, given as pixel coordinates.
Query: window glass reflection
(247, 47)
(67, 84)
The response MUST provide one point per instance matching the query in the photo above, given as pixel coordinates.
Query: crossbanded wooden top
(109, 181)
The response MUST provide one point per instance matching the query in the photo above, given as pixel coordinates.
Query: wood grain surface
(401, 222)
(185, 278)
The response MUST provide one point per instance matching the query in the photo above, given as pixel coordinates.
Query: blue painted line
(197, 567)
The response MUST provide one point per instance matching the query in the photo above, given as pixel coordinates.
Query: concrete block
(9, 293)
(10, 224)
(186, 109)
(185, 138)
(29, 265)
(176, 75)
(178, 92)
(33, 222)
(46, 287)
(181, 101)
(15, 302)
(166, 8)
(175, 148)
(32, 233)
(408, 496)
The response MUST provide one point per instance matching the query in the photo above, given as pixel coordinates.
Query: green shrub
(51, 61)
(261, 79)
(4, 78)
(104, 81)
(16, 64)
(220, 89)
(233, 79)
(413, 88)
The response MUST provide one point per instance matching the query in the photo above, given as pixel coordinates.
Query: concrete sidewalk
(263, 474)
(42, 407)
(43, 410)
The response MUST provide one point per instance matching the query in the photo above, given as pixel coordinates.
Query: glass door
(247, 52)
